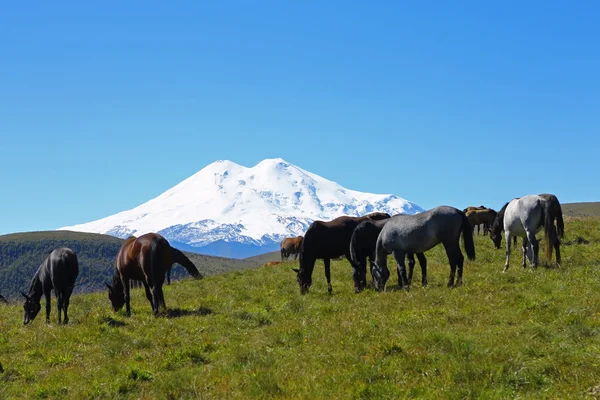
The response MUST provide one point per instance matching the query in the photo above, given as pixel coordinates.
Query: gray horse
(421, 232)
(524, 217)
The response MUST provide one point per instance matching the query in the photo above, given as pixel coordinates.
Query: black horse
(58, 271)
(327, 240)
(362, 246)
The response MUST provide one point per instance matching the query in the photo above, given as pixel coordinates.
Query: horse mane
(498, 223)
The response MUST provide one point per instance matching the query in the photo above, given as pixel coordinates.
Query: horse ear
(24, 295)
(296, 270)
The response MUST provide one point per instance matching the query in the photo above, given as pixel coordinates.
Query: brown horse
(146, 259)
(272, 263)
(328, 240)
(474, 208)
(291, 246)
(478, 217)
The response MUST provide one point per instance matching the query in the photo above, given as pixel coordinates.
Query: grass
(249, 334)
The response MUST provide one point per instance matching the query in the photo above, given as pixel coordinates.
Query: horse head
(303, 281)
(116, 297)
(380, 276)
(31, 308)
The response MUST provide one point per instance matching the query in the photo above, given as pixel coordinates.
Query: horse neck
(35, 289)
(116, 283)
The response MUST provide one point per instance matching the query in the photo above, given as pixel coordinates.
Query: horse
(362, 245)
(478, 217)
(3, 300)
(290, 246)
(474, 208)
(327, 240)
(419, 233)
(272, 263)
(524, 217)
(146, 258)
(58, 271)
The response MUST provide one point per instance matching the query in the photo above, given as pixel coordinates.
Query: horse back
(62, 268)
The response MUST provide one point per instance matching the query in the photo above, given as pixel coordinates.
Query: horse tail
(560, 224)
(182, 259)
(353, 249)
(549, 231)
(467, 233)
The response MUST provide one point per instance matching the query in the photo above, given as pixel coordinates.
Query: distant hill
(22, 253)
(265, 258)
(589, 209)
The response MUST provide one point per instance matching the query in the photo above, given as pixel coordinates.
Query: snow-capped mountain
(228, 209)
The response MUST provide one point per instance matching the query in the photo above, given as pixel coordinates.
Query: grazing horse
(478, 217)
(524, 217)
(362, 246)
(291, 246)
(327, 240)
(419, 233)
(58, 271)
(272, 263)
(147, 259)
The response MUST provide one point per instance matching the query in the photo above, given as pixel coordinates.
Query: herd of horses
(374, 236)
(149, 258)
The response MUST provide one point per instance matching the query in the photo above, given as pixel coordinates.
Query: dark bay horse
(483, 217)
(362, 246)
(146, 259)
(524, 217)
(58, 271)
(327, 240)
(419, 233)
(290, 246)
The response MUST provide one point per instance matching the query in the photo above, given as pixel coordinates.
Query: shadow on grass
(180, 312)
(113, 322)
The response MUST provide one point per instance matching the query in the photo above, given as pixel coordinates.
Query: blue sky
(105, 106)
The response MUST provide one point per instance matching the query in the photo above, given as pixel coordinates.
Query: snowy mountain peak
(258, 206)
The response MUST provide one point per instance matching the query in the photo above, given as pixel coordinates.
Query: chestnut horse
(290, 246)
(146, 259)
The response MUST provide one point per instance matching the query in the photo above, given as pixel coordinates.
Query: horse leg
(557, 247)
(423, 263)
(534, 245)
(48, 305)
(59, 304)
(507, 262)
(402, 278)
(452, 259)
(524, 251)
(327, 263)
(127, 297)
(148, 294)
(411, 266)
(66, 304)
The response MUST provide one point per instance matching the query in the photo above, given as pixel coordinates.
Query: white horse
(524, 217)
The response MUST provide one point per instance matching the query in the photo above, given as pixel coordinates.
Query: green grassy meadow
(249, 334)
